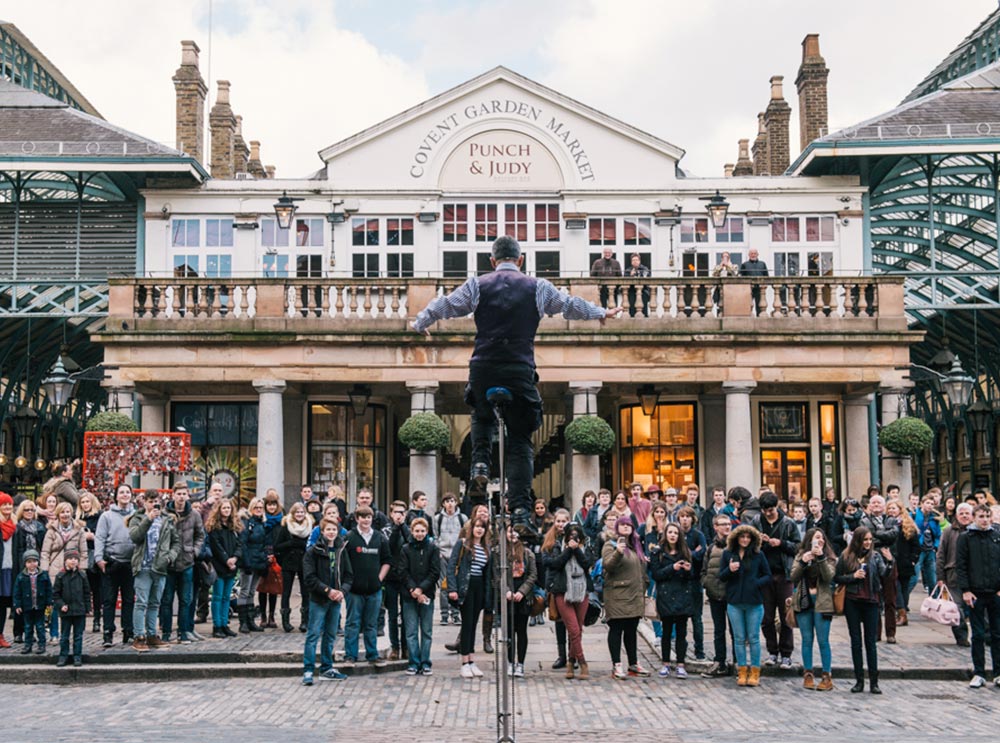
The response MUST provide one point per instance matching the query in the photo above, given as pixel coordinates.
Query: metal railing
(54, 298)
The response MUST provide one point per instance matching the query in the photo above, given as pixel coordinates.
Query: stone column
(153, 409)
(857, 444)
(586, 467)
(270, 436)
(424, 466)
(896, 470)
(739, 435)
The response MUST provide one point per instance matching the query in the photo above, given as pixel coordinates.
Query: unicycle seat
(499, 396)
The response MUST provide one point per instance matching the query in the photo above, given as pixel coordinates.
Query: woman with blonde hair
(289, 550)
(253, 563)
(63, 534)
(88, 510)
(907, 553)
(223, 527)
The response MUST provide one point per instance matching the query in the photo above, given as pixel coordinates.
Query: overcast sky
(307, 73)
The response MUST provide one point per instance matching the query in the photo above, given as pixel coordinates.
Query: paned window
(486, 222)
(638, 231)
(399, 231)
(271, 235)
(185, 233)
(309, 233)
(219, 233)
(456, 223)
(516, 221)
(546, 223)
(364, 231)
(602, 231)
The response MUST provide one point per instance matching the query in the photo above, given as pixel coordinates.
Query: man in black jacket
(397, 534)
(327, 575)
(779, 543)
(369, 551)
(419, 564)
(978, 566)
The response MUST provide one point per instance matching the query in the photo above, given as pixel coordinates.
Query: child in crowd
(32, 596)
(71, 595)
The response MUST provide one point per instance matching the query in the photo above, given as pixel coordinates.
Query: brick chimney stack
(191, 90)
(241, 153)
(269, 169)
(811, 86)
(727, 170)
(776, 118)
(254, 166)
(744, 166)
(222, 124)
(760, 163)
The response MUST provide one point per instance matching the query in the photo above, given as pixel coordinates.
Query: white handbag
(940, 608)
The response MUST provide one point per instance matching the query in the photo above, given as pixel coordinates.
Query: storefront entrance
(786, 472)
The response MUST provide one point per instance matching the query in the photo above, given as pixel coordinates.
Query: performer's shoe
(480, 476)
(520, 520)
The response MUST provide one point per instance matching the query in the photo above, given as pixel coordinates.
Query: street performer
(507, 306)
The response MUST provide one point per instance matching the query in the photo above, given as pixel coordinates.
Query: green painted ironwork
(21, 67)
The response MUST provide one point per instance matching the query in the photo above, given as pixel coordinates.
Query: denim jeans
(34, 627)
(148, 590)
(77, 625)
(418, 623)
(362, 618)
(720, 626)
(985, 620)
(811, 622)
(221, 591)
(324, 619)
(862, 619)
(447, 609)
(697, 624)
(745, 620)
(179, 582)
(926, 569)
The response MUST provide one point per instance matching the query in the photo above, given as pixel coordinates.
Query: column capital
(152, 398)
(863, 400)
(274, 386)
(738, 387)
(580, 388)
(416, 387)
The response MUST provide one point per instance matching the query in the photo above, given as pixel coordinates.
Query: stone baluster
(354, 300)
(394, 303)
(338, 303)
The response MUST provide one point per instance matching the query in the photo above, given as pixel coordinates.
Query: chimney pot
(744, 148)
(776, 91)
(728, 169)
(189, 54)
(810, 46)
(223, 94)
(270, 171)
(254, 149)
(811, 86)
(190, 91)
(239, 126)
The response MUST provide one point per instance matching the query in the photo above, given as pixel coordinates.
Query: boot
(584, 671)
(901, 619)
(244, 613)
(97, 624)
(754, 679)
(452, 647)
(808, 682)
(271, 624)
(859, 685)
(825, 683)
(873, 683)
(3, 642)
(743, 672)
(569, 670)
(252, 622)
(487, 633)
(226, 632)
(304, 617)
(218, 633)
(286, 620)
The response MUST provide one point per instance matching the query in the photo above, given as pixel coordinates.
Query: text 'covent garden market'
(269, 317)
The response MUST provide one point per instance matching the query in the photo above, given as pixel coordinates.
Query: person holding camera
(861, 568)
(812, 602)
(569, 583)
(672, 569)
(156, 546)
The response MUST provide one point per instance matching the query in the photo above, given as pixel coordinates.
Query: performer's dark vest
(506, 319)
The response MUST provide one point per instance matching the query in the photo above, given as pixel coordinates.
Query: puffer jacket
(225, 543)
(744, 586)
(72, 590)
(167, 546)
(54, 548)
(256, 546)
(673, 585)
(190, 532)
(625, 580)
(22, 591)
(319, 577)
(820, 570)
(419, 565)
(710, 580)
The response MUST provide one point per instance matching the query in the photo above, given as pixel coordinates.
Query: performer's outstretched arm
(461, 302)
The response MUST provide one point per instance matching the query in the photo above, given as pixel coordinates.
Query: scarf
(272, 521)
(576, 582)
(7, 527)
(297, 529)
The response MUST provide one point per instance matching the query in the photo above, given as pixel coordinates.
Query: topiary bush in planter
(424, 432)
(590, 434)
(109, 420)
(906, 437)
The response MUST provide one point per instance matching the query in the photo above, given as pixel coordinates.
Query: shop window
(546, 223)
(399, 231)
(637, 231)
(348, 450)
(602, 231)
(660, 449)
(516, 221)
(271, 235)
(829, 451)
(456, 223)
(219, 233)
(309, 233)
(223, 446)
(364, 231)
(486, 222)
(547, 263)
(185, 233)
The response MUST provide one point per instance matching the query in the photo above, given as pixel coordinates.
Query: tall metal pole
(505, 728)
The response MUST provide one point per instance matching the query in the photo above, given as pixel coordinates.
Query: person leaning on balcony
(637, 270)
(606, 266)
(508, 306)
(725, 267)
(754, 267)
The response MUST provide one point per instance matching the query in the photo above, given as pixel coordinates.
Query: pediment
(501, 131)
